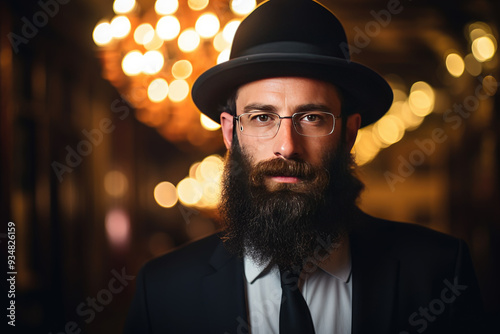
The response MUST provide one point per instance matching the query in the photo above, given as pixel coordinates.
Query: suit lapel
(375, 282)
(224, 294)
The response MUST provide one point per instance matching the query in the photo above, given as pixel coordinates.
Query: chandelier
(153, 56)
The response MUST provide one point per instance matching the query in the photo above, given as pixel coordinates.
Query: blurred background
(106, 163)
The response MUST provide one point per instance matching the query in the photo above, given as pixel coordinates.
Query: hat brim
(368, 93)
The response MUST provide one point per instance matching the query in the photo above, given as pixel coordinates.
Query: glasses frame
(292, 117)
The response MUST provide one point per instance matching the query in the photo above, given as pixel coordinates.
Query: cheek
(256, 149)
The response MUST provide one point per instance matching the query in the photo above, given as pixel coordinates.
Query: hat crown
(290, 26)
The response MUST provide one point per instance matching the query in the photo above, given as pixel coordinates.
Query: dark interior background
(52, 89)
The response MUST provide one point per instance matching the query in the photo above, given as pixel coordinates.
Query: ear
(352, 126)
(226, 122)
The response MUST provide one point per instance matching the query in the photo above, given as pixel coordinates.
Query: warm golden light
(211, 193)
(365, 147)
(409, 118)
(230, 29)
(120, 26)
(472, 65)
(132, 63)
(152, 62)
(123, 6)
(208, 123)
(189, 191)
(490, 85)
(207, 25)
(165, 194)
(168, 27)
(389, 129)
(182, 69)
(455, 64)
(243, 7)
(102, 34)
(166, 7)
(476, 33)
(115, 183)
(478, 29)
(158, 90)
(144, 34)
(223, 56)
(399, 95)
(188, 40)
(178, 90)
(197, 4)
(155, 43)
(421, 99)
(193, 170)
(211, 168)
(219, 43)
(484, 48)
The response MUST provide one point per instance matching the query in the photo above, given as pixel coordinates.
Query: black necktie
(295, 316)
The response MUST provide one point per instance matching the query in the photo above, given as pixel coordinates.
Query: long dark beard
(286, 224)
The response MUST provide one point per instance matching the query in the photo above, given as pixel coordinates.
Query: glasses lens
(314, 123)
(259, 124)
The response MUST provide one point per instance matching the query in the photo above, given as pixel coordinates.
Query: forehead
(289, 92)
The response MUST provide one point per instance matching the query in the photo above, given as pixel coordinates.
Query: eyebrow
(259, 107)
(268, 107)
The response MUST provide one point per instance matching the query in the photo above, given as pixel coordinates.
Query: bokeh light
(168, 27)
(120, 26)
(484, 48)
(115, 183)
(197, 4)
(123, 6)
(472, 65)
(421, 99)
(144, 33)
(102, 34)
(390, 129)
(158, 90)
(166, 7)
(455, 64)
(152, 62)
(220, 43)
(165, 194)
(132, 63)
(243, 7)
(223, 56)
(208, 123)
(207, 25)
(188, 40)
(178, 90)
(182, 69)
(155, 43)
(117, 224)
(230, 30)
(189, 191)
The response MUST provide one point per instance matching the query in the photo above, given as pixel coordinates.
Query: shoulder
(187, 259)
(405, 239)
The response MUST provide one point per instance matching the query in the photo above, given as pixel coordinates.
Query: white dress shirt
(327, 289)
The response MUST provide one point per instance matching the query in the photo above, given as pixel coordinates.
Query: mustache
(282, 167)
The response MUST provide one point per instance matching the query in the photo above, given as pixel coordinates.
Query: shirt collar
(337, 264)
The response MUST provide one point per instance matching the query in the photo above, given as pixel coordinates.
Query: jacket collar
(375, 279)
(224, 294)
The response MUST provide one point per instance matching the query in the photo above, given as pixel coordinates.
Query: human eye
(312, 118)
(261, 118)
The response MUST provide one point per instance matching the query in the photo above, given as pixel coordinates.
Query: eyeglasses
(267, 124)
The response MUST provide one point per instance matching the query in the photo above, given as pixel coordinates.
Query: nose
(286, 143)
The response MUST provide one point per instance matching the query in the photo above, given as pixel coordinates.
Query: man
(295, 255)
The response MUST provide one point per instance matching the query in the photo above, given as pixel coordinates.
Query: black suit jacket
(406, 279)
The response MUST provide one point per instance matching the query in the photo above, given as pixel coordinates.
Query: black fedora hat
(298, 38)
